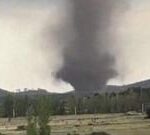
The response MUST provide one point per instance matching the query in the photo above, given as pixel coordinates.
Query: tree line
(129, 100)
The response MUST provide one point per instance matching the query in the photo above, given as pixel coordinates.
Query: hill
(114, 88)
(108, 89)
(3, 92)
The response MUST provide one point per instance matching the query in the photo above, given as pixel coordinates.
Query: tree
(32, 125)
(38, 117)
(44, 111)
(9, 106)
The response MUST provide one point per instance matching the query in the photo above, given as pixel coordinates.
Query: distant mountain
(108, 89)
(114, 88)
(142, 84)
(33, 92)
(3, 92)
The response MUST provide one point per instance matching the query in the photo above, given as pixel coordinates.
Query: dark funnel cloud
(88, 60)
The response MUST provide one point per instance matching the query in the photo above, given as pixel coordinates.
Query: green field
(114, 124)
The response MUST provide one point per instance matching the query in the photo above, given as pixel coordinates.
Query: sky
(24, 63)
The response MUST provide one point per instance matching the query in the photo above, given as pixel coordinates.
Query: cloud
(22, 62)
(133, 41)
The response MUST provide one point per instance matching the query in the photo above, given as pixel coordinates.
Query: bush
(31, 129)
(2, 134)
(38, 118)
(20, 128)
(44, 130)
(32, 126)
(99, 133)
(148, 113)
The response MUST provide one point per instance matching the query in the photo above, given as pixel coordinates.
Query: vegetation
(8, 106)
(32, 125)
(130, 100)
(99, 133)
(43, 112)
(21, 127)
(94, 133)
(38, 110)
(113, 124)
(38, 117)
(148, 113)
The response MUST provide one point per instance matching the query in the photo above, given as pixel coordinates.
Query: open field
(114, 124)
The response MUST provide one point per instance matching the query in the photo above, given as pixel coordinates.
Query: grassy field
(114, 124)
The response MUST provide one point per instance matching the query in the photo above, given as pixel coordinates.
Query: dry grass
(114, 124)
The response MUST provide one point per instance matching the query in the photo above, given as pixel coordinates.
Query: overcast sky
(24, 64)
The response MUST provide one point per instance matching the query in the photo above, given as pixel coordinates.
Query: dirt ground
(114, 124)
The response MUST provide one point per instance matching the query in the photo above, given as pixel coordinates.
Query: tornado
(89, 60)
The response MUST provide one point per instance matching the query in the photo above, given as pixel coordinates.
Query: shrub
(72, 134)
(90, 124)
(38, 118)
(148, 113)
(20, 128)
(99, 133)
(32, 127)
(2, 134)
(45, 130)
